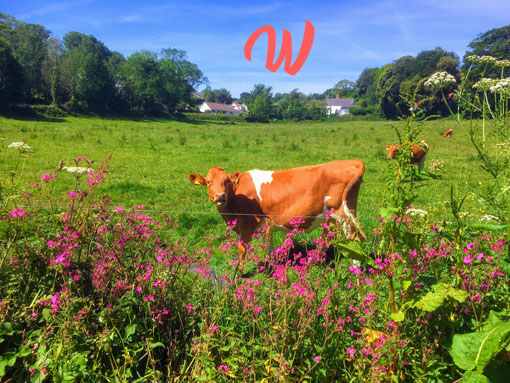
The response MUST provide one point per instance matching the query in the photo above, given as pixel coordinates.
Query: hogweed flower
(416, 212)
(481, 59)
(485, 84)
(440, 80)
(502, 86)
(21, 146)
(77, 171)
(502, 63)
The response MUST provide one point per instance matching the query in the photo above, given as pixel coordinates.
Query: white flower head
(489, 218)
(485, 83)
(502, 86)
(503, 63)
(416, 212)
(481, 59)
(77, 171)
(21, 146)
(440, 80)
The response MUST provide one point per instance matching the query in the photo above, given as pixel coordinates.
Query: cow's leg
(350, 224)
(242, 253)
(346, 213)
(269, 237)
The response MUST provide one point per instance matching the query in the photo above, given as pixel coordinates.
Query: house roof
(221, 107)
(339, 102)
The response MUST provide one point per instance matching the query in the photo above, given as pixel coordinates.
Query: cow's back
(300, 192)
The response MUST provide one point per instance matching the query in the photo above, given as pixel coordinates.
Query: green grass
(152, 159)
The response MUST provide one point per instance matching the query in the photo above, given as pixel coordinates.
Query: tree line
(80, 74)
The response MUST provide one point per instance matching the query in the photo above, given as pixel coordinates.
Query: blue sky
(349, 35)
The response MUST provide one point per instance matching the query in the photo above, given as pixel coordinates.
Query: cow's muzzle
(220, 199)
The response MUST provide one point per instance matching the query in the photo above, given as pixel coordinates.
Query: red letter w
(286, 51)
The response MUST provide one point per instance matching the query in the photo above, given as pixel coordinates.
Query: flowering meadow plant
(482, 109)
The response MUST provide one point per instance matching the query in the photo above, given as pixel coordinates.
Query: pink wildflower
(18, 212)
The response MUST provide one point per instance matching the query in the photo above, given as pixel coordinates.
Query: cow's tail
(351, 194)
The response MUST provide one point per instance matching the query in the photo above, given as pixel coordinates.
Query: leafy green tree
(221, 96)
(365, 80)
(52, 72)
(260, 104)
(181, 77)
(28, 44)
(141, 80)
(85, 68)
(494, 43)
(10, 75)
(114, 64)
(30, 49)
(151, 80)
(388, 89)
(344, 88)
(426, 62)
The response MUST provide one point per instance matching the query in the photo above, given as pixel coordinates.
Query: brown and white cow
(418, 156)
(258, 197)
(448, 133)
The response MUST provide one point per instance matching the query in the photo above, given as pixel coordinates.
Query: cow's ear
(197, 179)
(234, 177)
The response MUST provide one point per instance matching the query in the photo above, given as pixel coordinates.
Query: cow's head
(220, 185)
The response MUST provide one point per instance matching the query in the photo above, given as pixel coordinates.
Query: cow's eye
(208, 182)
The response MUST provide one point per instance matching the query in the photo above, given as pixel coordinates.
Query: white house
(238, 106)
(339, 106)
(212, 107)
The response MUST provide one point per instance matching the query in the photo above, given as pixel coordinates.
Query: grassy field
(100, 295)
(152, 158)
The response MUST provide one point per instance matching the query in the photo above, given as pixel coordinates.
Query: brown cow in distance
(448, 133)
(275, 198)
(418, 156)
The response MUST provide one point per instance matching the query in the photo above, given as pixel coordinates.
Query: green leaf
(487, 227)
(474, 377)
(156, 344)
(435, 298)
(475, 350)
(352, 250)
(388, 212)
(398, 316)
(7, 361)
(129, 330)
(46, 314)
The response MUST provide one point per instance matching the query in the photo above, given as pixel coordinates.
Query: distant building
(238, 106)
(212, 107)
(339, 106)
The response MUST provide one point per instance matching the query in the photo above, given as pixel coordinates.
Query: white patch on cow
(260, 177)
(321, 217)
